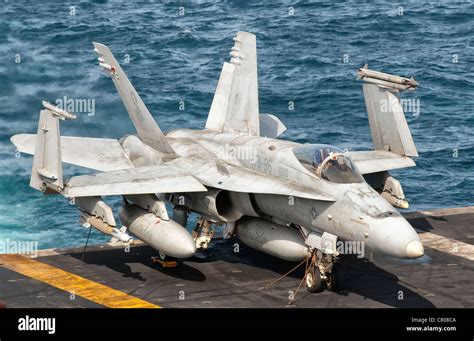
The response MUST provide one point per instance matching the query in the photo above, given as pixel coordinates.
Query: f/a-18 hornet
(290, 200)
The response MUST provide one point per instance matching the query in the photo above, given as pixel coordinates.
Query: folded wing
(99, 154)
(153, 179)
(388, 125)
(379, 160)
(119, 177)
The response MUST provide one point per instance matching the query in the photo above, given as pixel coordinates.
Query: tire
(313, 281)
(333, 280)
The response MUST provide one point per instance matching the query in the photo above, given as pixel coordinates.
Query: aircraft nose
(395, 237)
(414, 249)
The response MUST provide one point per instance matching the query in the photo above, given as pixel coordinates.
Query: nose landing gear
(321, 273)
(313, 281)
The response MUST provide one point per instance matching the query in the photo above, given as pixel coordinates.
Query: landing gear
(333, 279)
(203, 233)
(313, 281)
(321, 273)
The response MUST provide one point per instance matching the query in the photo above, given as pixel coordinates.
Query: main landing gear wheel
(313, 281)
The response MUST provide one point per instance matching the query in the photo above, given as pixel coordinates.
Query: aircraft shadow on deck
(422, 223)
(359, 276)
(117, 259)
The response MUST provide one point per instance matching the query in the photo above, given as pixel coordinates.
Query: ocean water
(308, 54)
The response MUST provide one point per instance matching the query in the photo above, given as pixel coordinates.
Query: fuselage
(356, 213)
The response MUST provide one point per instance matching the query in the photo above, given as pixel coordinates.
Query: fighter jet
(293, 201)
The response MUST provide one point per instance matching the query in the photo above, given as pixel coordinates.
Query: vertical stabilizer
(234, 108)
(147, 128)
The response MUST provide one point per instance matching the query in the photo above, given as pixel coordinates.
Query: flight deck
(109, 276)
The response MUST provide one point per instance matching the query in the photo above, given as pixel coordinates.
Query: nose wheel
(333, 279)
(313, 281)
(321, 273)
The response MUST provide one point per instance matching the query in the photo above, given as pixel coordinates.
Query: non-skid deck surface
(111, 277)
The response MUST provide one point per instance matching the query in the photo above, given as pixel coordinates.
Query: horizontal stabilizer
(143, 180)
(99, 154)
(379, 160)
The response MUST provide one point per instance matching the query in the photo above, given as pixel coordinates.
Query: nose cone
(414, 249)
(395, 237)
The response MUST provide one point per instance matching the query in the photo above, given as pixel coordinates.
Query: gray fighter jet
(290, 200)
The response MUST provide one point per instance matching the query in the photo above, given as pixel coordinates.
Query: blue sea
(308, 55)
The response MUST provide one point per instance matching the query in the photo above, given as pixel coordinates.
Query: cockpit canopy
(329, 163)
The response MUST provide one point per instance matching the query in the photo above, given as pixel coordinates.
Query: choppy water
(309, 58)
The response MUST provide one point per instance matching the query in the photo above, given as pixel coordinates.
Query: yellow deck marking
(443, 244)
(69, 282)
